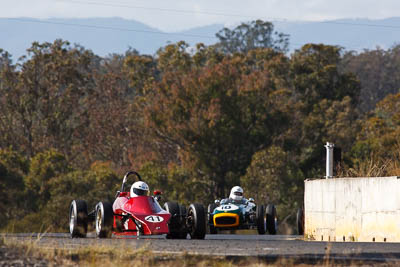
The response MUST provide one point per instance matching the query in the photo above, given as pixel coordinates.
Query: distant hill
(352, 34)
(115, 35)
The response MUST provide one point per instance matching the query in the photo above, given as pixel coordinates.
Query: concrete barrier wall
(353, 209)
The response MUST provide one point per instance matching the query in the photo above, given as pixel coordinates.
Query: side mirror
(121, 194)
(157, 195)
(217, 201)
(251, 200)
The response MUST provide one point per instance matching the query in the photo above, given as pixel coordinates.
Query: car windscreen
(154, 205)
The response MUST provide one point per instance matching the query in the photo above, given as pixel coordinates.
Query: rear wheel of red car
(196, 221)
(271, 219)
(260, 213)
(104, 220)
(78, 217)
(211, 227)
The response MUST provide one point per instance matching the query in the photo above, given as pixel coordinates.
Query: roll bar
(126, 176)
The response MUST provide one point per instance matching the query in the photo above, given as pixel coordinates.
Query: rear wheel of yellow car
(260, 212)
(271, 219)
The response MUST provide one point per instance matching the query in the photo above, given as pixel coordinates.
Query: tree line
(194, 121)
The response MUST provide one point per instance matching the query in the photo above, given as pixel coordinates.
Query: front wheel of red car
(104, 220)
(175, 225)
(196, 221)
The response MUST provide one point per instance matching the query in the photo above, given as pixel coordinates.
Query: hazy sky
(173, 15)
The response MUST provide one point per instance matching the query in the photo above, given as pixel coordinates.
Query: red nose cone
(148, 211)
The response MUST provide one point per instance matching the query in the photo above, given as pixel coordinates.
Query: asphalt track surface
(233, 245)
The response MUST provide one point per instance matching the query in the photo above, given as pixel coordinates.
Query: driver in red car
(139, 189)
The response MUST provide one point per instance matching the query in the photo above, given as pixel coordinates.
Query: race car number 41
(154, 218)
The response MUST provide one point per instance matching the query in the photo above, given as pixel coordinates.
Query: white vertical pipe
(329, 160)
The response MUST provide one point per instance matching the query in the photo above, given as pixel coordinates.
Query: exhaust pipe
(329, 160)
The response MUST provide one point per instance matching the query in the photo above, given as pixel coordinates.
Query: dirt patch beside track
(11, 256)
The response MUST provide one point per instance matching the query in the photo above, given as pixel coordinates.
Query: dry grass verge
(15, 252)
(31, 253)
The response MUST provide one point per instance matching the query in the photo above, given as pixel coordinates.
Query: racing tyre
(174, 224)
(104, 220)
(271, 219)
(300, 221)
(210, 210)
(183, 232)
(78, 217)
(196, 221)
(260, 212)
(182, 212)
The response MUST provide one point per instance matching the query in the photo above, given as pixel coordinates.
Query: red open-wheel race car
(136, 213)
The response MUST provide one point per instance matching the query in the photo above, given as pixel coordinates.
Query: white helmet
(139, 189)
(236, 193)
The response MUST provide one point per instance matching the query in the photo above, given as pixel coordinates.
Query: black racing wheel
(270, 221)
(175, 224)
(78, 218)
(104, 220)
(260, 218)
(196, 221)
